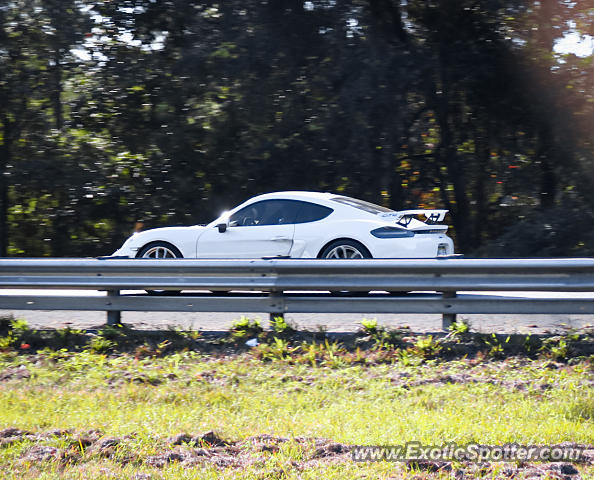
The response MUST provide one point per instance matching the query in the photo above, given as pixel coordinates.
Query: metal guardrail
(280, 286)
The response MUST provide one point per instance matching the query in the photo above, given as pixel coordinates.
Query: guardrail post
(114, 317)
(448, 318)
(276, 301)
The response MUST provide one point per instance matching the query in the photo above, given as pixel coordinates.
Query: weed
(114, 332)
(309, 353)
(379, 335)
(281, 327)
(101, 344)
(556, 348)
(496, 351)
(356, 357)
(408, 358)
(369, 326)
(491, 345)
(531, 344)
(18, 335)
(6, 343)
(245, 328)
(19, 326)
(54, 355)
(162, 347)
(495, 347)
(191, 335)
(426, 347)
(459, 328)
(279, 349)
(67, 338)
(332, 354)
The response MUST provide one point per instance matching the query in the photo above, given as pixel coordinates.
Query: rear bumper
(419, 246)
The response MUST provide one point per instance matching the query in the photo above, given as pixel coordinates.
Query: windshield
(361, 205)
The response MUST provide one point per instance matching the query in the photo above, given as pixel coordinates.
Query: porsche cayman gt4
(301, 225)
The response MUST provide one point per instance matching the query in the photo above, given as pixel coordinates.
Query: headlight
(392, 232)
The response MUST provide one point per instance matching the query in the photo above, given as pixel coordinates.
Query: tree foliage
(134, 111)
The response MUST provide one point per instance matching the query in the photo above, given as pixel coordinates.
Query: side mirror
(222, 227)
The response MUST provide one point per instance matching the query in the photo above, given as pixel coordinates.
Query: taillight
(392, 232)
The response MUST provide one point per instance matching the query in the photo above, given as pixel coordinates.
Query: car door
(311, 230)
(260, 229)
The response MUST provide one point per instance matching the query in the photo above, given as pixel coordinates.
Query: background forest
(168, 112)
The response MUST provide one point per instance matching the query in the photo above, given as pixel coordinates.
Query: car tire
(348, 249)
(345, 249)
(160, 250)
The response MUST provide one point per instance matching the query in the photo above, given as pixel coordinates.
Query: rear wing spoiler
(404, 217)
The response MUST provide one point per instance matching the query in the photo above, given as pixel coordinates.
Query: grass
(239, 396)
(120, 404)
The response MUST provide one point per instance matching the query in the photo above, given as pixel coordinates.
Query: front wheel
(160, 250)
(345, 249)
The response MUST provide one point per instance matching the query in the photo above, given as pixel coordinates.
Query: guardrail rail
(279, 286)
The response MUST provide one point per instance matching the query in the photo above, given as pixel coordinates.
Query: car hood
(168, 230)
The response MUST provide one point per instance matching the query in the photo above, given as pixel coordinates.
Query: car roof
(296, 195)
(321, 198)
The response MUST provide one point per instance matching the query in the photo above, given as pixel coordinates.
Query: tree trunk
(545, 156)
(483, 157)
(447, 155)
(4, 161)
(57, 91)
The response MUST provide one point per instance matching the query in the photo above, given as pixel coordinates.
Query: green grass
(241, 396)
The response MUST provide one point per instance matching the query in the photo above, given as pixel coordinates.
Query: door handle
(280, 239)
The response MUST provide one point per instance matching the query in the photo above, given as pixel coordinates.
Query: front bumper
(124, 252)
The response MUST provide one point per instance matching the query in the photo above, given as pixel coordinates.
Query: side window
(311, 212)
(266, 212)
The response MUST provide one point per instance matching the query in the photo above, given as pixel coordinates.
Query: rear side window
(361, 205)
(311, 212)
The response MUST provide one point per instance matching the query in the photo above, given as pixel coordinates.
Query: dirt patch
(208, 439)
(210, 449)
(252, 451)
(15, 373)
(465, 378)
(9, 436)
(503, 471)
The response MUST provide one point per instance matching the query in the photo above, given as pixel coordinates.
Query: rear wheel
(160, 250)
(345, 249)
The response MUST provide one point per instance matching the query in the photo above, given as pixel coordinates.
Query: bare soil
(208, 448)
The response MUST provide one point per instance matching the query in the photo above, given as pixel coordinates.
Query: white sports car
(300, 225)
